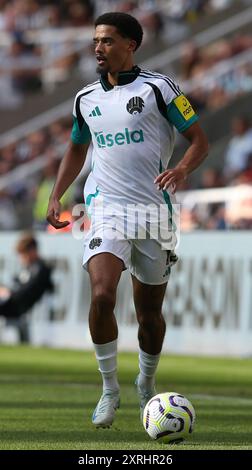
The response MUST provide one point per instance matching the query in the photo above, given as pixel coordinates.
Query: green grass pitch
(47, 398)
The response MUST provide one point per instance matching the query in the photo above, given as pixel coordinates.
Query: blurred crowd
(235, 171)
(23, 204)
(211, 86)
(20, 15)
(35, 56)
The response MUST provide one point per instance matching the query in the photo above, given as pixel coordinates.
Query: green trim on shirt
(90, 196)
(181, 114)
(78, 136)
(167, 200)
(89, 199)
(165, 194)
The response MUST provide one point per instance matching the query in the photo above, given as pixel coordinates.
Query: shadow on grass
(40, 404)
(87, 435)
(24, 375)
(210, 409)
(54, 405)
(116, 436)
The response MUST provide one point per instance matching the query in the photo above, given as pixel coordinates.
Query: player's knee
(151, 320)
(103, 299)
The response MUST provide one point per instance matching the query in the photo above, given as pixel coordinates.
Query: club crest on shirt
(95, 243)
(135, 105)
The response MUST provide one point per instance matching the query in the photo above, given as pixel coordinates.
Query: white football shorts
(144, 258)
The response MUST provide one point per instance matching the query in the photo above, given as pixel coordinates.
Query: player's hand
(53, 214)
(171, 178)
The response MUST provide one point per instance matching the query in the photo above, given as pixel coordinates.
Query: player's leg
(148, 300)
(148, 303)
(150, 273)
(105, 270)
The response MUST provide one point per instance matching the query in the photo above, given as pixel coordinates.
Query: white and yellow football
(169, 417)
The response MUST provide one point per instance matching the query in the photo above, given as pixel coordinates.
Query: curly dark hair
(126, 25)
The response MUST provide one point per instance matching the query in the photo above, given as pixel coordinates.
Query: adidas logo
(96, 112)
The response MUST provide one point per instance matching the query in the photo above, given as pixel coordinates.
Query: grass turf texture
(47, 398)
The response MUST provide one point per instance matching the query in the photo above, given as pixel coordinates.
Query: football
(169, 417)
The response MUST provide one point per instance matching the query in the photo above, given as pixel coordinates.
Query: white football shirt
(131, 127)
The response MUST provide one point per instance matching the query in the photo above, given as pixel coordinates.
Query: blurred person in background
(79, 13)
(247, 173)
(216, 219)
(190, 58)
(8, 216)
(44, 190)
(239, 147)
(211, 178)
(25, 61)
(29, 285)
(23, 15)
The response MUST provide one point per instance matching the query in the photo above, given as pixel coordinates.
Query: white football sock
(148, 365)
(106, 355)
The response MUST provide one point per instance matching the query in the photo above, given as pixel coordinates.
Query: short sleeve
(173, 104)
(181, 114)
(80, 136)
(80, 130)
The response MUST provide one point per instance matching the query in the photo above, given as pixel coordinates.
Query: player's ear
(132, 45)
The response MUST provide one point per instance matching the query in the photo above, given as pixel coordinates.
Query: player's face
(113, 52)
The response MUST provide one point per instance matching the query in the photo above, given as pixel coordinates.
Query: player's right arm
(71, 164)
(69, 169)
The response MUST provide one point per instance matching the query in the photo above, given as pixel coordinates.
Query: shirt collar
(124, 78)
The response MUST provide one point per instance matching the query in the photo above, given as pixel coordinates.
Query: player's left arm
(193, 157)
(179, 112)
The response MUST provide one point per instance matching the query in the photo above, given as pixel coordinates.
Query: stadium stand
(43, 41)
(217, 76)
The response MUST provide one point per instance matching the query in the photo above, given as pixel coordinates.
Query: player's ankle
(146, 383)
(111, 390)
(111, 382)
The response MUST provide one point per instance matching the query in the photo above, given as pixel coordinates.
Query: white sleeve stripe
(88, 87)
(168, 80)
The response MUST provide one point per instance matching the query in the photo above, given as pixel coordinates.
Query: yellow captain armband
(184, 106)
